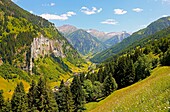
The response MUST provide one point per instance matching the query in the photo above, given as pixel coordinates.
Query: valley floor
(149, 95)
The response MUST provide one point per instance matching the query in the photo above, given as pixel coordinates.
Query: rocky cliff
(44, 46)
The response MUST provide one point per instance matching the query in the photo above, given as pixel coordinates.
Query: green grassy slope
(151, 95)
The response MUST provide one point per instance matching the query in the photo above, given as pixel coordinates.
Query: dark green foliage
(165, 59)
(143, 67)
(17, 31)
(154, 27)
(45, 98)
(8, 106)
(92, 91)
(7, 71)
(19, 102)
(32, 97)
(78, 95)
(89, 91)
(64, 99)
(109, 85)
(2, 101)
(124, 71)
(69, 100)
(85, 43)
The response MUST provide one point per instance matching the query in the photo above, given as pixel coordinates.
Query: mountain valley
(44, 68)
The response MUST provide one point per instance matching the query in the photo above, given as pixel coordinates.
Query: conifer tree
(78, 95)
(109, 85)
(32, 96)
(45, 98)
(64, 99)
(8, 106)
(2, 101)
(19, 99)
(69, 100)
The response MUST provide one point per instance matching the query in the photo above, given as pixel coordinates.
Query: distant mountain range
(84, 42)
(67, 29)
(154, 27)
(91, 41)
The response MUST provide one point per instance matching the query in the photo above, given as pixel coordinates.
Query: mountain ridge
(84, 42)
(24, 35)
(154, 27)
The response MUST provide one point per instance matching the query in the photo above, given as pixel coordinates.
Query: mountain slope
(150, 94)
(98, 34)
(27, 39)
(84, 42)
(116, 39)
(67, 29)
(151, 29)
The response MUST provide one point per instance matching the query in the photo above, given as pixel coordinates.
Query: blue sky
(103, 15)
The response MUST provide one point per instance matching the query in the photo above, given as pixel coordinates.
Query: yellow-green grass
(76, 69)
(149, 95)
(8, 86)
(67, 76)
(64, 77)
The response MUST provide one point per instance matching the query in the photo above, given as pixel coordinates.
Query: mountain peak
(67, 29)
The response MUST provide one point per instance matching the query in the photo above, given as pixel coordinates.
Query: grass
(8, 86)
(149, 95)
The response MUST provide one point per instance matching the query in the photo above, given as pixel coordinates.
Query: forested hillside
(144, 33)
(18, 31)
(40, 71)
(85, 43)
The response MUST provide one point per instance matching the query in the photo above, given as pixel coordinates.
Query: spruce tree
(109, 85)
(19, 99)
(64, 99)
(61, 97)
(69, 100)
(32, 96)
(78, 95)
(45, 98)
(2, 101)
(8, 106)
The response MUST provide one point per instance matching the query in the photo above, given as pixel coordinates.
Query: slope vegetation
(84, 42)
(150, 94)
(154, 27)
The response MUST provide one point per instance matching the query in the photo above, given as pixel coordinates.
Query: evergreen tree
(64, 99)
(8, 106)
(62, 84)
(32, 96)
(165, 59)
(142, 67)
(19, 99)
(78, 95)
(45, 98)
(2, 101)
(109, 85)
(61, 97)
(69, 100)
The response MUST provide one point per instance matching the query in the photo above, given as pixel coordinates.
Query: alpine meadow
(84, 56)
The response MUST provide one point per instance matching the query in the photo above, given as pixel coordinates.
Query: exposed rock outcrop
(43, 46)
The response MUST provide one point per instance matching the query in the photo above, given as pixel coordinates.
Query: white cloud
(137, 10)
(14, 1)
(119, 11)
(166, 1)
(31, 12)
(164, 15)
(49, 4)
(88, 11)
(110, 21)
(52, 4)
(58, 17)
